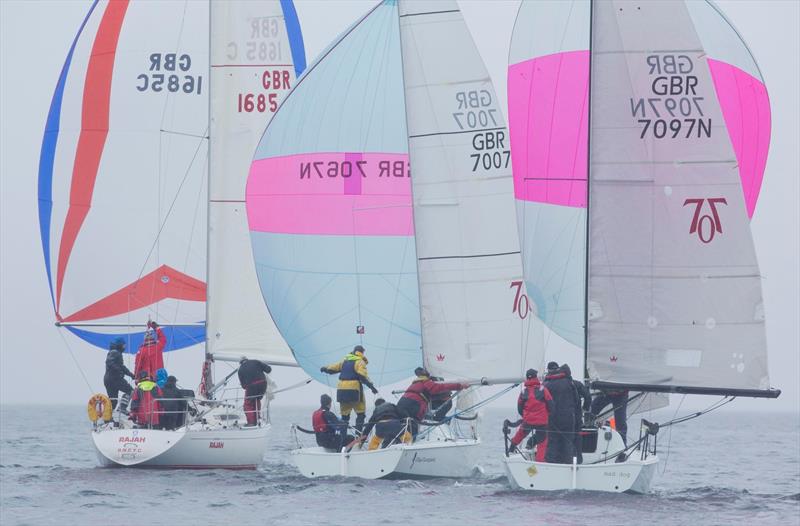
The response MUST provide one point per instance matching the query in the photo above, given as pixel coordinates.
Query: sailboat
(346, 256)
(123, 197)
(639, 134)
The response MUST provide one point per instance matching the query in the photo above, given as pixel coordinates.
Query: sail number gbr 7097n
(675, 109)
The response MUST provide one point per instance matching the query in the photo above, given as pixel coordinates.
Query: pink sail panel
(322, 193)
(547, 99)
(164, 282)
(548, 123)
(745, 107)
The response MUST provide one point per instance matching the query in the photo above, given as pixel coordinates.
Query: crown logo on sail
(440, 357)
(359, 329)
(613, 358)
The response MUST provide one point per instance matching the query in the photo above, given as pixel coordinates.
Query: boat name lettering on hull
(138, 440)
(216, 444)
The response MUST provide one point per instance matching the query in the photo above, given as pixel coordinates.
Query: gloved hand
(372, 388)
(323, 370)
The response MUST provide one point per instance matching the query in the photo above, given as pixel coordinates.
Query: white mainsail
(468, 260)
(252, 69)
(674, 292)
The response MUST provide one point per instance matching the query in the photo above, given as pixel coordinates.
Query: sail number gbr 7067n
(675, 109)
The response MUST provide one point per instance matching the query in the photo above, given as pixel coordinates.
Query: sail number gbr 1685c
(674, 109)
(170, 72)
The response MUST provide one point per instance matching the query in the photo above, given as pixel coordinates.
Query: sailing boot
(124, 400)
(360, 417)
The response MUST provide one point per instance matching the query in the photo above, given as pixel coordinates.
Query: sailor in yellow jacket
(350, 390)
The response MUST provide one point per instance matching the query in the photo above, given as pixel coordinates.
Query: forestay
(474, 323)
(256, 54)
(329, 208)
(674, 286)
(121, 184)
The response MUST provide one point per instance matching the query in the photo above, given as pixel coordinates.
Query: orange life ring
(99, 405)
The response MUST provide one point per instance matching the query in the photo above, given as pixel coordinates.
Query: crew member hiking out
(561, 428)
(253, 379)
(145, 406)
(353, 377)
(389, 426)
(150, 356)
(619, 400)
(114, 379)
(534, 404)
(331, 433)
(414, 403)
(583, 394)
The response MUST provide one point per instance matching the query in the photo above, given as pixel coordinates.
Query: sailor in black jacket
(561, 429)
(114, 379)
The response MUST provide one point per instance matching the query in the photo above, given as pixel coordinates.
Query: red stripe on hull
(94, 130)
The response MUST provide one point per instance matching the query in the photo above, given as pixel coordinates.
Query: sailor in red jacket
(150, 356)
(145, 406)
(414, 403)
(534, 405)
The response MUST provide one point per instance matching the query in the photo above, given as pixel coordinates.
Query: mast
(206, 379)
(588, 198)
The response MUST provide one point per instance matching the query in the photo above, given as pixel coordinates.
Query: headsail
(674, 285)
(329, 208)
(122, 174)
(475, 322)
(549, 115)
(256, 55)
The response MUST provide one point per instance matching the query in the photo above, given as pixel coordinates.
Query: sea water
(724, 468)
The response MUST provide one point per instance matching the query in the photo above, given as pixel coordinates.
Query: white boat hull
(599, 472)
(229, 448)
(438, 454)
(633, 476)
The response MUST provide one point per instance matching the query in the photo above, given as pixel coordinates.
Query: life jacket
(348, 371)
(533, 401)
(145, 404)
(318, 421)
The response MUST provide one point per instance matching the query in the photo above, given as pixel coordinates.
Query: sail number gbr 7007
(476, 111)
(674, 109)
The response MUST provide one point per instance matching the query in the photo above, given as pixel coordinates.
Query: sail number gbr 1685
(271, 80)
(672, 109)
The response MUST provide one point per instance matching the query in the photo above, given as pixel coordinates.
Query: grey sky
(35, 365)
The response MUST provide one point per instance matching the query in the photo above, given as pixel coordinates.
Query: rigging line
(669, 438)
(185, 134)
(191, 235)
(171, 206)
(78, 365)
